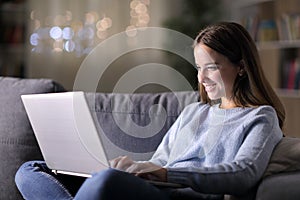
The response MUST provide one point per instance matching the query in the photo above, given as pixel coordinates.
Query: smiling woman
(230, 45)
(217, 79)
(209, 75)
(214, 147)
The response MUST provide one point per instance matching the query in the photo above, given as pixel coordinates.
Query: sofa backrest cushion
(134, 124)
(17, 142)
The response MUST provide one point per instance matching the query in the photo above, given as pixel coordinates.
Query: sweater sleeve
(244, 172)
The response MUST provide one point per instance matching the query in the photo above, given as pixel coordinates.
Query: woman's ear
(242, 70)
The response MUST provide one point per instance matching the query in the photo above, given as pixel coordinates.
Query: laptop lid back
(66, 132)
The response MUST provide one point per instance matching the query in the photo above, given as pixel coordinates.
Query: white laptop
(67, 134)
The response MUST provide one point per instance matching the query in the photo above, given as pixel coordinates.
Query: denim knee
(24, 173)
(34, 182)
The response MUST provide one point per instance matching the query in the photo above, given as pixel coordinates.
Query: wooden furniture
(13, 16)
(275, 26)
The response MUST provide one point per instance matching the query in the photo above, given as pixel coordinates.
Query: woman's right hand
(124, 163)
(121, 163)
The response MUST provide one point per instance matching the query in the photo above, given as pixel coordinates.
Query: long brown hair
(252, 88)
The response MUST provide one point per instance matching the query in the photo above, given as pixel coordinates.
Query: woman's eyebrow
(211, 63)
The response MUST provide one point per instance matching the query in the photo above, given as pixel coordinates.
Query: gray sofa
(120, 116)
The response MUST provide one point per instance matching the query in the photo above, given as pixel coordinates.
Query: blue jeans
(36, 181)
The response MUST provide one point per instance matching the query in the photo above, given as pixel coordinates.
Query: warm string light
(63, 33)
(139, 16)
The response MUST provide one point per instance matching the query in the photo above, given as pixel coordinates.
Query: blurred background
(51, 38)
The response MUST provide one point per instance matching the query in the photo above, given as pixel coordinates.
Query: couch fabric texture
(134, 124)
(129, 124)
(17, 142)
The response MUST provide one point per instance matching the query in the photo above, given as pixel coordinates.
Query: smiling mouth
(209, 88)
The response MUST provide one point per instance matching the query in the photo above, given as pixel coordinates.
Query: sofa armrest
(281, 179)
(280, 186)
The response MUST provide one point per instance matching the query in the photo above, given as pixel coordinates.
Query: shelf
(274, 24)
(288, 93)
(13, 23)
(246, 3)
(280, 44)
(12, 48)
(12, 8)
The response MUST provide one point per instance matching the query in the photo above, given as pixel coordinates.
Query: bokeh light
(139, 16)
(55, 32)
(140, 8)
(104, 24)
(62, 33)
(34, 39)
(32, 14)
(67, 33)
(91, 17)
(69, 46)
(131, 31)
(68, 15)
(102, 34)
(37, 24)
(58, 46)
(76, 25)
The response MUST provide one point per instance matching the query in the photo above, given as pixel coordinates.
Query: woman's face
(215, 72)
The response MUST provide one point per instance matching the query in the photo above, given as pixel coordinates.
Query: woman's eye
(208, 68)
(212, 68)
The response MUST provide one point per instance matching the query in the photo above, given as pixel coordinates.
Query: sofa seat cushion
(17, 141)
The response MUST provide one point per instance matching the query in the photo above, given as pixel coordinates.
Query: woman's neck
(227, 103)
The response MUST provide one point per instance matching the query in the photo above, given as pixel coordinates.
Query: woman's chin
(213, 96)
(214, 99)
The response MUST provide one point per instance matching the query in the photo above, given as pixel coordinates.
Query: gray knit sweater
(219, 151)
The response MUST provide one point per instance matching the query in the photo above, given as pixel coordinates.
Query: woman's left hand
(157, 174)
(143, 169)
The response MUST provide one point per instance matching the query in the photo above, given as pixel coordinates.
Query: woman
(220, 145)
